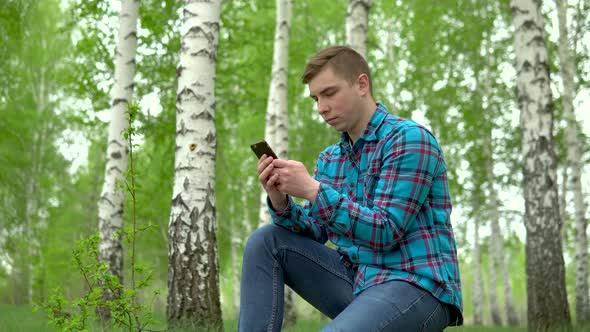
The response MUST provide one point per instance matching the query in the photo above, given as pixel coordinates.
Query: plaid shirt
(385, 203)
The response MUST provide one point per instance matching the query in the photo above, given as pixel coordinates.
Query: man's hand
(268, 180)
(293, 179)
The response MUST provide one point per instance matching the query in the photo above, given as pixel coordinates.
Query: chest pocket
(370, 180)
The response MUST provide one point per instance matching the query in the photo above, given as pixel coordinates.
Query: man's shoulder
(396, 126)
(331, 151)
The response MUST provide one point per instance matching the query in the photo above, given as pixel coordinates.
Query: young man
(380, 195)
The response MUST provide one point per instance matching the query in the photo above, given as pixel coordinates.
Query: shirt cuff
(325, 206)
(280, 215)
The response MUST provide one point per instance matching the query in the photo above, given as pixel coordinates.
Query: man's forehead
(324, 79)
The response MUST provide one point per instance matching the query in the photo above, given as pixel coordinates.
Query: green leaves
(79, 314)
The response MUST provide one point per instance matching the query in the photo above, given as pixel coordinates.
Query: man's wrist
(279, 204)
(313, 192)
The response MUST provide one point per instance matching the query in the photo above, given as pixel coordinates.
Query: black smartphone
(261, 148)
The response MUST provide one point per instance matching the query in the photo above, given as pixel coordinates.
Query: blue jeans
(274, 256)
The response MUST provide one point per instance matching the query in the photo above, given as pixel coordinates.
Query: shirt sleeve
(296, 218)
(410, 162)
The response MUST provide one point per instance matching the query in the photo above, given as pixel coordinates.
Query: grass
(22, 319)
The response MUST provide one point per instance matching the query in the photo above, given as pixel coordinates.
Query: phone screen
(262, 148)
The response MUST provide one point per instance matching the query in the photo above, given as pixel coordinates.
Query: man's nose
(322, 106)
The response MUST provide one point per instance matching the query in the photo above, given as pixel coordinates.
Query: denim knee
(260, 238)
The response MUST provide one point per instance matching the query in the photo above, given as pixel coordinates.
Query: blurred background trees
(446, 64)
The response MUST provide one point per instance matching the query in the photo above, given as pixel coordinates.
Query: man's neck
(368, 109)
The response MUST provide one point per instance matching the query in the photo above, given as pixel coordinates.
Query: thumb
(279, 163)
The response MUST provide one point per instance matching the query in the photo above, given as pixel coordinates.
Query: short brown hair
(346, 63)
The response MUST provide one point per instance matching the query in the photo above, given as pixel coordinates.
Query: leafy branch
(125, 310)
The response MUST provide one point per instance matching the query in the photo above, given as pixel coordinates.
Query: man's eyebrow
(323, 91)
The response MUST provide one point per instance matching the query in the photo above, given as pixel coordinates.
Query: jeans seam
(403, 312)
(327, 268)
(427, 321)
(274, 297)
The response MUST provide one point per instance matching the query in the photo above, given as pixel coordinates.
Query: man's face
(337, 100)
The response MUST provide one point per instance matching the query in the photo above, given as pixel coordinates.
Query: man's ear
(363, 81)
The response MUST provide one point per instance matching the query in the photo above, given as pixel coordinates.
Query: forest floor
(22, 319)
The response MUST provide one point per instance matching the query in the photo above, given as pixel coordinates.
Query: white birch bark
(235, 264)
(477, 283)
(33, 223)
(357, 24)
(32, 242)
(235, 259)
(264, 215)
(497, 255)
(32, 220)
(563, 207)
(278, 100)
(546, 292)
(247, 223)
(277, 116)
(193, 263)
(494, 308)
(110, 204)
(574, 163)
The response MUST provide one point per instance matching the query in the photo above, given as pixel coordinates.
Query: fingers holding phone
(266, 175)
(265, 168)
(269, 179)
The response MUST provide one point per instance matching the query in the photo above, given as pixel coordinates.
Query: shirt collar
(370, 132)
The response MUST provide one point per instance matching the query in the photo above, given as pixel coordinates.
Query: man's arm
(412, 159)
(295, 217)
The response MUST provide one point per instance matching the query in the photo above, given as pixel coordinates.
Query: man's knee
(262, 237)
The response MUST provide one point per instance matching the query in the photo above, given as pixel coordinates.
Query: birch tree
(110, 204)
(563, 206)
(478, 292)
(574, 163)
(235, 241)
(546, 292)
(193, 263)
(276, 129)
(357, 24)
(497, 253)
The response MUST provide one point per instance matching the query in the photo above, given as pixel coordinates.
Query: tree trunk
(574, 162)
(546, 292)
(563, 208)
(357, 24)
(235, 232)
(277, 116)
(494, 308)
(290, 314)
(477, 284)
(497, 255)
(235, 264)
(110, 204)
(193, 263)
(30, 234)
(245, 206)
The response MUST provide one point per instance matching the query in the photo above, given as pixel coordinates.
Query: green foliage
(426, 57)
(79, 314)
(104, 291)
